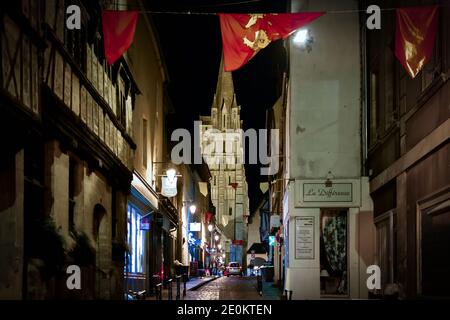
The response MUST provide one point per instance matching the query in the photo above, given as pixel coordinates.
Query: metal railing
(159, 285)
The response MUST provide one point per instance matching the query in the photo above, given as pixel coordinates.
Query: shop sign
(319, 192)
(275, 221)
(272, 241)
(195, 226)
(145, 222)
(169, 187)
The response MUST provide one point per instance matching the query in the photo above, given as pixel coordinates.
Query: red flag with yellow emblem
(118, 32)
(244, 35)
(415, 37)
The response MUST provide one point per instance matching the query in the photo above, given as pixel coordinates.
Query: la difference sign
(319, 194)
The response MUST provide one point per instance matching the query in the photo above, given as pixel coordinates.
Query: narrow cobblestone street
(233, 288)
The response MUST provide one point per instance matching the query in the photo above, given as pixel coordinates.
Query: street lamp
(193, 208)
(216, 237)
(219, 246)
(210, 228)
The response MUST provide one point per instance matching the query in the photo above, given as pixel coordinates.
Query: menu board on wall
(304, 238)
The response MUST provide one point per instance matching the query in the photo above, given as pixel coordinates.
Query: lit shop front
(142, 208)
(137, 225)
(330, 239)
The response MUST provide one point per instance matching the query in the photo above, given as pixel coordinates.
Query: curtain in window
(334, 236)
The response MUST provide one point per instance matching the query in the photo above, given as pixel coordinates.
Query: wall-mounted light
(301, 36)
(210, 228)
(216, 237)
(193, 208)
(303, 39)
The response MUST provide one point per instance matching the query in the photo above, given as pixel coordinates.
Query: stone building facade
(67, 154)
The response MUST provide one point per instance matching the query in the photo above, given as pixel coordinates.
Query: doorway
(434, 245)
(334, 252)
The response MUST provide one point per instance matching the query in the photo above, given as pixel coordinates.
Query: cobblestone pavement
(189, 285)
(233, 288)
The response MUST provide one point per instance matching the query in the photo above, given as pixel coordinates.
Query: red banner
(415, 37)
(118, 32)
(244, 35)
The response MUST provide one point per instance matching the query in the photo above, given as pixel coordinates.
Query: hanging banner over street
(118, 32)
(244, 35)
(415, 37)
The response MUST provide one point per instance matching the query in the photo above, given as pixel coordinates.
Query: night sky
(192, 48)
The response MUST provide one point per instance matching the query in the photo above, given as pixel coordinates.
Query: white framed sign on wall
(304, 238)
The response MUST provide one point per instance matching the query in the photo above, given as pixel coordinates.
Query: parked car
(234, 268)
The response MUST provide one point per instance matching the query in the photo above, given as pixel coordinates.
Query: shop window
(385, 248)
(432, 70)
(333, 252)
(136, 257)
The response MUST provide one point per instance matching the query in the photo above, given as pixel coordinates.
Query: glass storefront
(136, 244)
